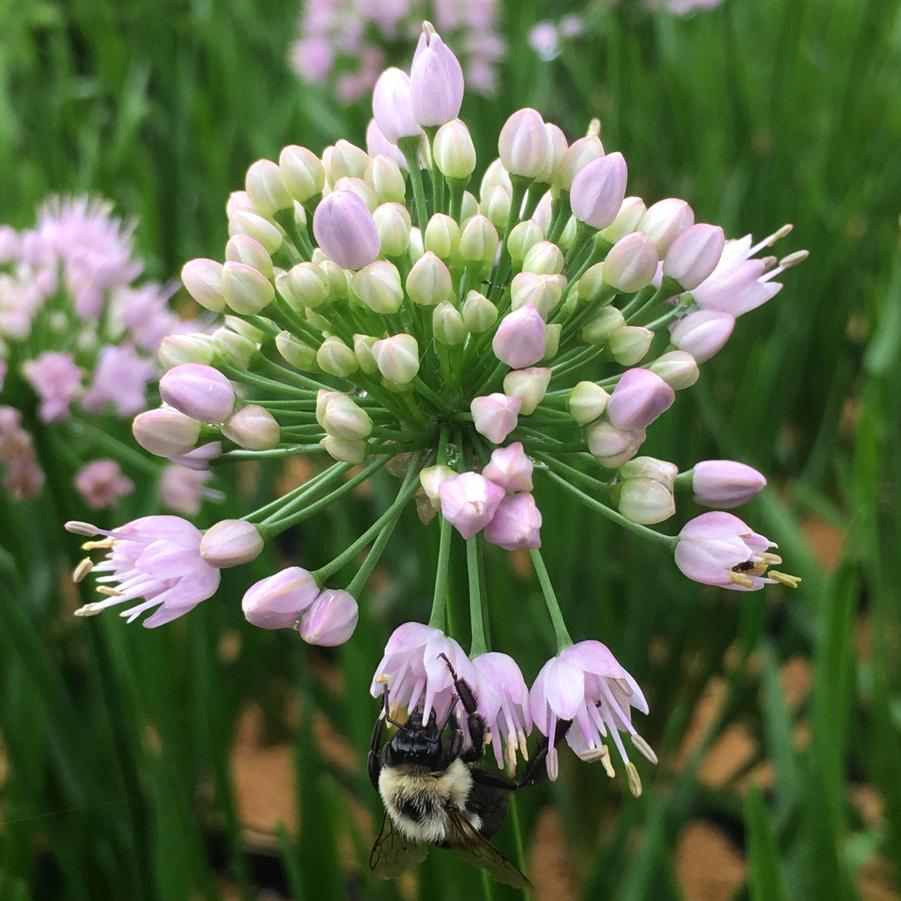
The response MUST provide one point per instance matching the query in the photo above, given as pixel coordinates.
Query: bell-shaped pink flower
(694, 254)
(737, 287)
(703, 333)
(436, 80)
(278, 601)
(640, 396)
(415, 675)
(331, 618)
(510, 467)
(584, 684)
(517, 523)
(198, 391)
(469, 502)
(719, 549)
(504, 705)
(495, 415)
(345, 230)
(521, 338)
(725, 483)
(155, 558)
(392, 106)
(101, 483)
(599, 189)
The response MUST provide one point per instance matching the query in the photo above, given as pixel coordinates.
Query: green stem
(275, 453)
(317, 483)
(477, 624)
(438, 617)
(410, 149)
(359, 581)
(550, 599)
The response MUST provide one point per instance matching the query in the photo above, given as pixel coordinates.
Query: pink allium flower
(279, 600)
(585, 685)
(101, 483)
(719, 549)
(516, 525)
(330, 620)
(510, 467)
(495, 415)
(120, 379)
(56, 380)
(182, 489)
(469, 502)
(154, 560)
(23, 477)
(544, 39)
(345, 230)
(640, 396)
(504, 705)
(145, 311)
(414, 673)
(520, 338)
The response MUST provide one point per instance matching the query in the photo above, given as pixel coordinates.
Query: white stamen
(88, 610)
(77, 527)
(83, 568)
(644, 747)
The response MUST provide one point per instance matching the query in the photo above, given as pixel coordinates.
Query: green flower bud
(344, 451)
(677, 368)
(587, 401)
(247, 250)
(542, 291)
(361, 188)
(453, 150)
(496, 206)
(266, 188)
(417, 248)
(397, 358)
(479, 313)
(336, 358)
(591, 283)
(529, 385)
(630, 344)
(189, 347)
(244, 328)
(650, 468)
(569, 234)
(626, 220)
(344, 418)
(392, 222)
(344, 160)
(431, 479)
(378, 287)
(338, 279)
(309, 287)
(599, 330)
(469, 207)
(448, 325)
(552, 341)
(302, 172)
(495, 175)
(299, 355)
(363, 351)
(523, 237)
(246, 290)
(478, 241)
(245, 222)
(543, 258)
(645, 501)
(253, 428)
(385, 178)
(429, 281)
(234, 349)
(442, 236)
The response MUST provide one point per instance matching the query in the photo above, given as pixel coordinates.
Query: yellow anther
(770, 559)
(634, 780)
(109, 592)
(382, 679)
(644, 747)
(742, 579)
(784, 579)
(606, 762)
(83, 568)
(103, 545)
(87, 610)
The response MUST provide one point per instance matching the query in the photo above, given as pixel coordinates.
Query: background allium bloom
(120, 380)
(101, 483)
(57, 381)
(504, 704)
(157, 559)
(182, 489)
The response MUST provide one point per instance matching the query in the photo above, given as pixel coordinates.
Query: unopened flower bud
(330, 620)
(231, 542)
(432, 478)
(543, 258)
(345, 160)
(378, 287)
(234, 349)
(362, 189)
(345, 418)
(523, 145)
(516, 525)
(385, 178)
(165, 432)
(188, 347)
(278, 601)
(309, 287)
(631, 264)
(627, 219)
(587, 402)
(198, 391)
(591, 282)
(266, 189)
(342, 450)
(541, 291)
(453, 150)
(496, 206)
(478, 241)
(200, 458)
(378, 145)
(602, 326)
(203, 280)
(336, 358)
(521, 337)
(645, 501)
(479, 313)
(611, 446)
(436, 80)
(392, 106)
(429, 281)
(558, 146)
(495, 415)
(694, 254)
(238, 202)
(302, 172)
(246, 291)
(345, 230)
(247, 250)
(580, 153)
(262, 230)
(417, 248)
(442, 236)
(448, 325)
(253, 428)
(510, 467)
(529, 385)
(725, 484)
(397, 358)
(638, 399)
(677, 368)
(244, 328)
(630, 344)
(598, 190)
(299, 355)
(650, 468)
(664, 220)
(703, 333)
(552, 341)
(523, 237)
(469, 502)
(392, 222)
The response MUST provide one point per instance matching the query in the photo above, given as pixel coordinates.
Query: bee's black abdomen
(491, 805)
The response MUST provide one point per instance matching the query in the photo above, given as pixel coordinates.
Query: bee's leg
(474, 721)
(536, 764)
(374, 762)
(456, 738)
(493, 780)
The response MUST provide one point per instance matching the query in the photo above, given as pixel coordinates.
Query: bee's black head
(417, 743)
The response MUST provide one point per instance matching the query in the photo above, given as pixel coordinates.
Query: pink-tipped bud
(580, 153)
(231, 542)
(650, 468)
(529, 385)
(165, 432)
(725, 483)
(495, 415)
(397, 358)
(510, 467)
(517, 523)
(520, 338)
(703, 333)
(469, 502)
(331, 619)
(252, 427)
(613, 446)
(345, 230)
(694, 255)
(677, 368)
(247, 291)
(631, 264)
(392, 106)
(302, 172)
(436, 80)
(599, 189)
(638, 399)
(203, 280)
(198, 391)
(278, 601)
(665, 220)
(523, 145)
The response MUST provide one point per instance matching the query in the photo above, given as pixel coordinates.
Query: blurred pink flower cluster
(347, 43)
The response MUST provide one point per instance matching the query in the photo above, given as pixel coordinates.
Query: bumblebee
(435, 795)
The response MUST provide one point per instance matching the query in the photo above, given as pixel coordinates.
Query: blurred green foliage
(116, 743)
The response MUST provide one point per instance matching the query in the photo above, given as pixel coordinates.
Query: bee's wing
(472, 845)
(393, 853)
